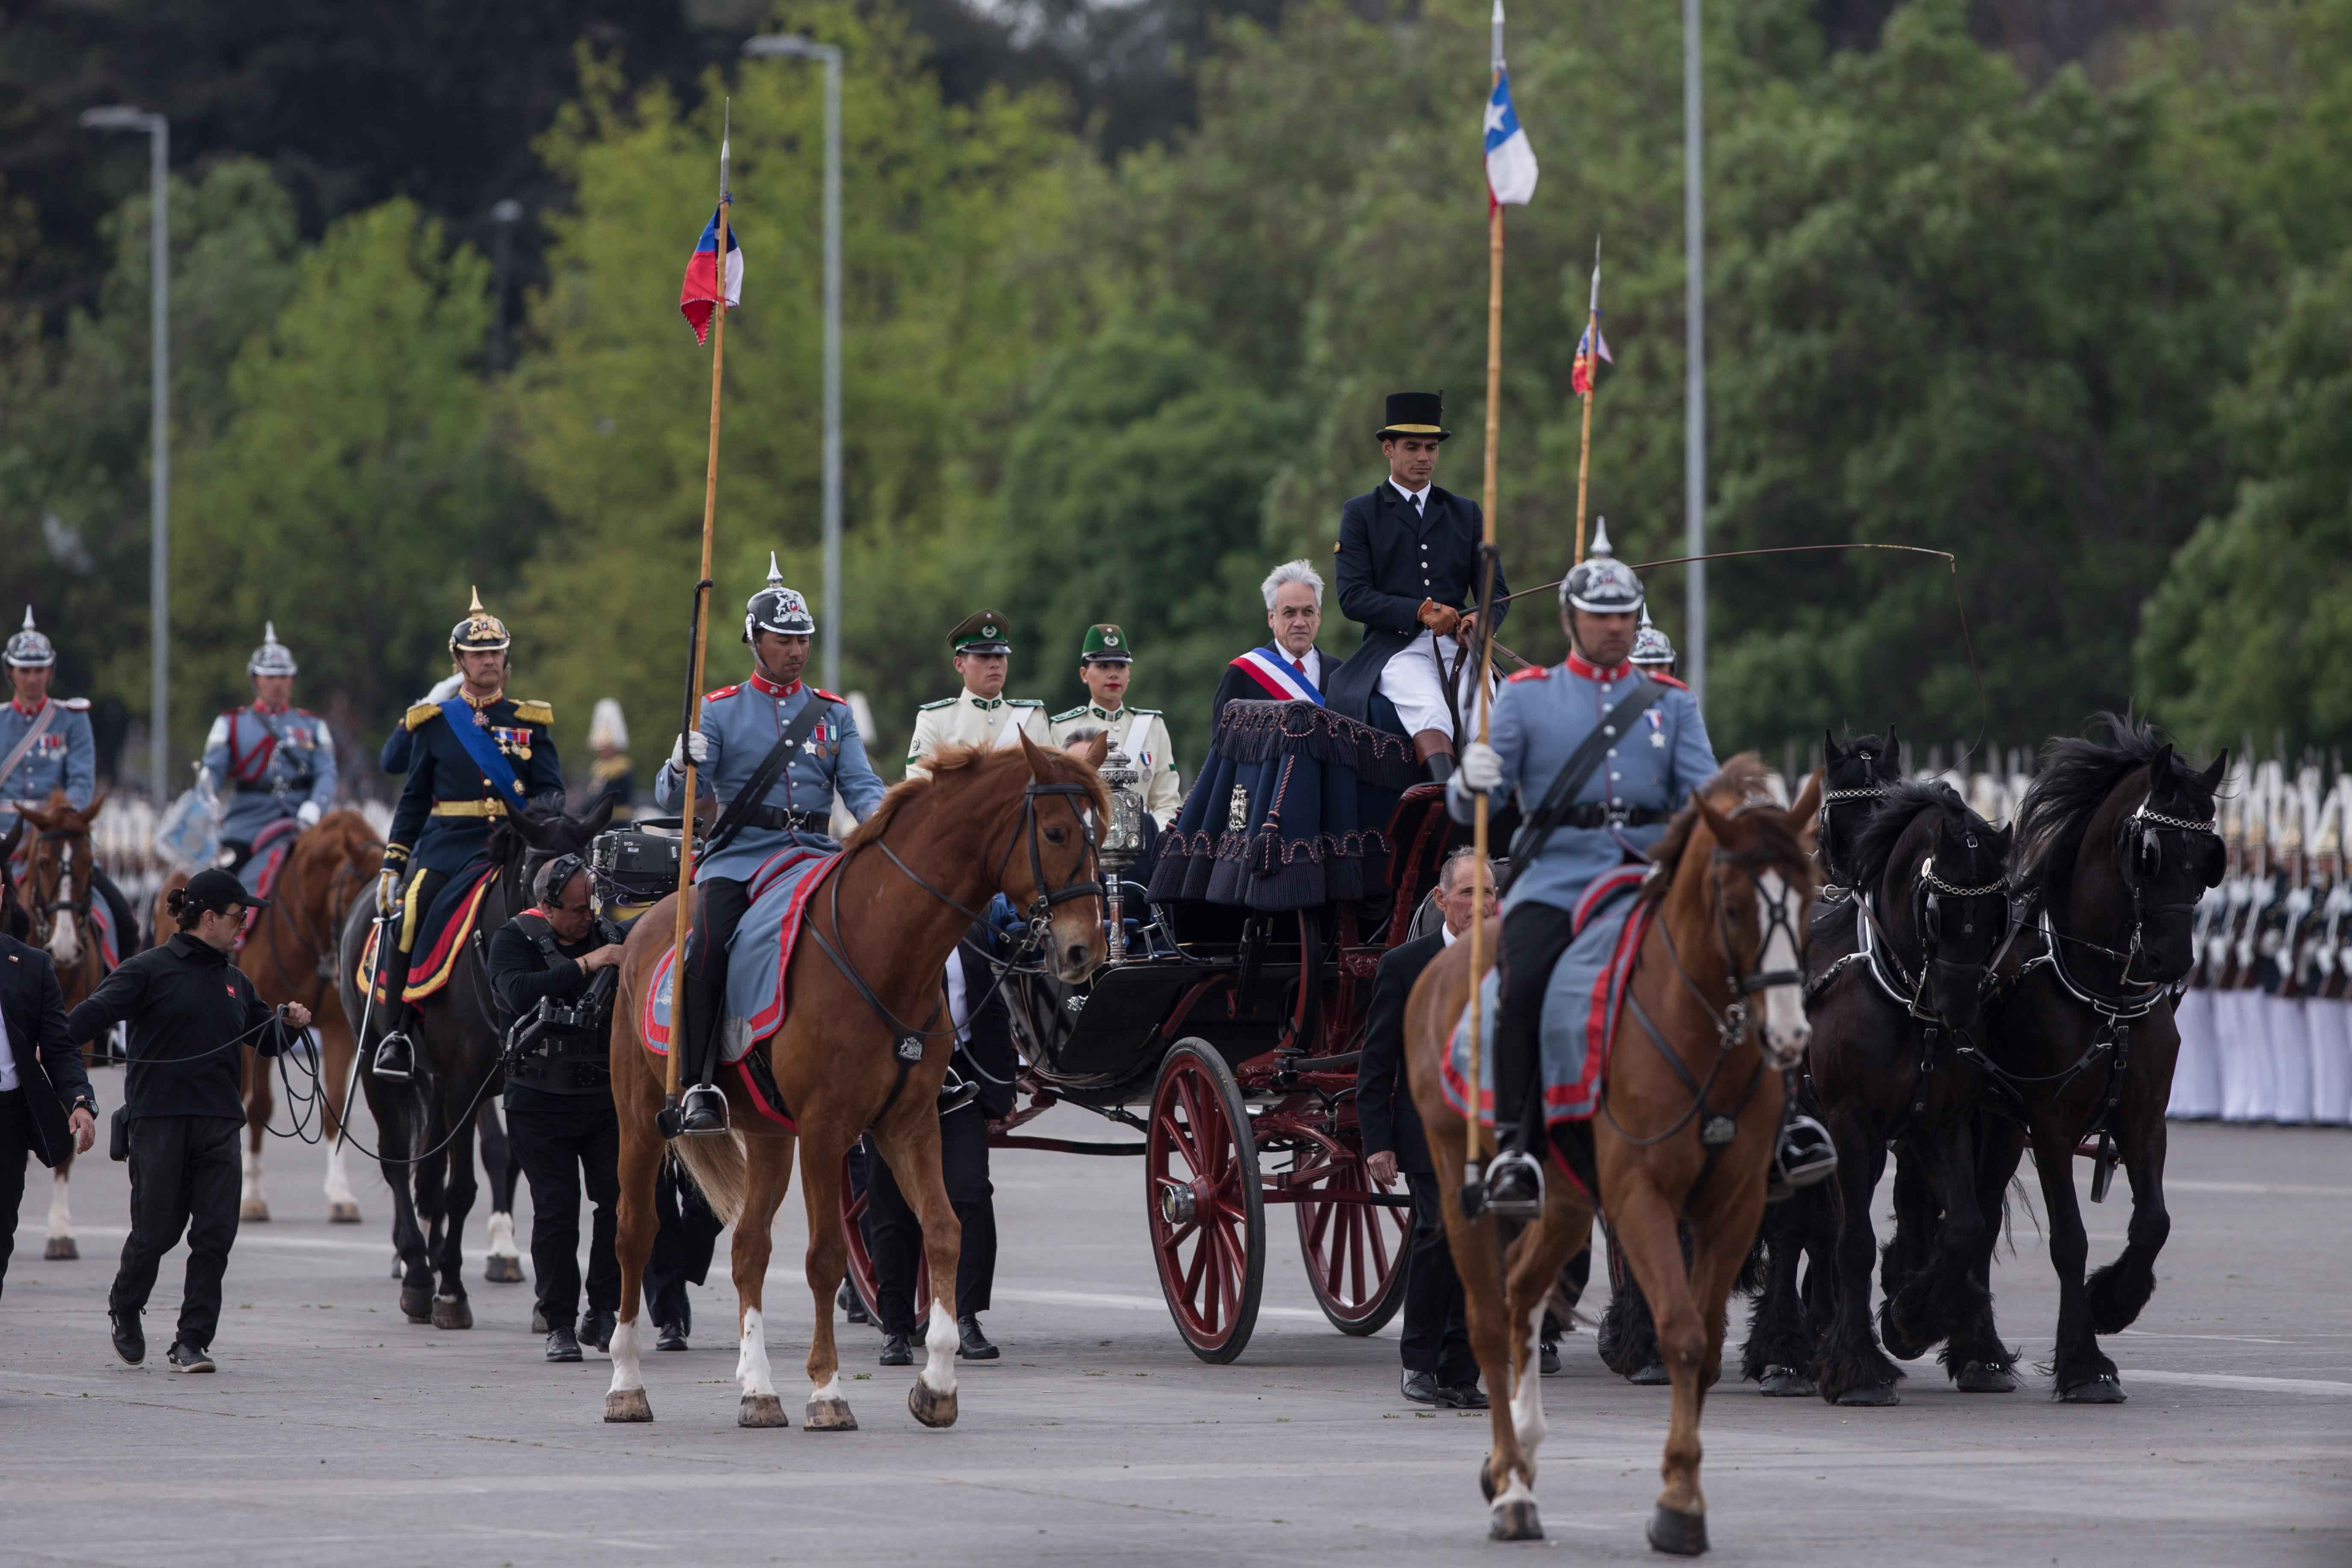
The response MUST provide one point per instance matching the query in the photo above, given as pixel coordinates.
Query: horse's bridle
(1831, 888)
(67, 901)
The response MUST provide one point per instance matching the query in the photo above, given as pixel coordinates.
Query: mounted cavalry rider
(45, 746)
(981, 714)
(774, 750)
(269, 760)
(1654, 652)
(475, 756)
(1104, 661)
(1631, 783)
(1409, 573)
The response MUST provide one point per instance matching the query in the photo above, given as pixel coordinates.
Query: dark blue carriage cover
(1289, 811)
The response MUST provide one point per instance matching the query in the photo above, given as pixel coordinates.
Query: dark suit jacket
(990, 1051)
(1390, 559)
(48, 1069)
(1384, 1106)
(1237, 685)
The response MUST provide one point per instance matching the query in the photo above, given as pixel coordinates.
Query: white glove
(693, 744)
(1482, 767)
(309, 814)
(387, 892)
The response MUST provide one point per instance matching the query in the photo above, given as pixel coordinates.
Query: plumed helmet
(1651, 646)
(28, 650)
(272, 657)
(776, 608)
(607, 726)
(1602, 585)
(480, 631)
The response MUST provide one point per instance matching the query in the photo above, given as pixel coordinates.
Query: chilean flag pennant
(1581, 378)
(1510, 157)
(699, 295)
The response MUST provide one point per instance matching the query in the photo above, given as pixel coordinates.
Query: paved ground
(335, 1432)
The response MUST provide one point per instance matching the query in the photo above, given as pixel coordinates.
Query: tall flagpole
(1474, 1144)
(1591, 357)
(701, 635)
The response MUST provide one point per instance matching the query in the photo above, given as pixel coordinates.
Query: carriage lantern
(1122, 840)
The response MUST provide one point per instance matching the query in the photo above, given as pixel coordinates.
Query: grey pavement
(336, 1433)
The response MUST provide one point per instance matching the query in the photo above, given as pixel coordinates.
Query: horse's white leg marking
(503, 1234)
(339, 1176)
(629, 1358)
(61, 1222)
(1527, 1398)
(252, 1165)
(1518, 1491)
(829, 1389)
(939, 1351)
(751, 1358)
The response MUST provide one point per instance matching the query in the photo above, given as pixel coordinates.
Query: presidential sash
(494, 764)
(1283, 683)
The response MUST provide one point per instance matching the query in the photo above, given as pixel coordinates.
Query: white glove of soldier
(693, 744)
(309, 814)
(1481, 767)
(387, 892)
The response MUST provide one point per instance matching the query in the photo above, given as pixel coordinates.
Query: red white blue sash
(1274, 672)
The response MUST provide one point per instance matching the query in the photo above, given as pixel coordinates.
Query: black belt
(289, 786)
(777, 819)
(1593, 814)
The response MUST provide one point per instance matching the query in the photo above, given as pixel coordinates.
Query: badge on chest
(513, 739)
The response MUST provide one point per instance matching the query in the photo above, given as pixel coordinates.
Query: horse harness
(67, 902)
(1832, 891)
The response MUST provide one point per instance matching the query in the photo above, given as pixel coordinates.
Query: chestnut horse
(863, 984)
(1731, 888)
(54, 895)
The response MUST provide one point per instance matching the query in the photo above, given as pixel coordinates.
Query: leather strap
(40, 727)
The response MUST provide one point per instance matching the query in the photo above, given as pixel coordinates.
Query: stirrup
(1515, 1185)
(1804, 1156)
(396, 1058)
(703, 1112)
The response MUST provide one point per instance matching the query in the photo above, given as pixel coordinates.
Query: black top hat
(1414, 414)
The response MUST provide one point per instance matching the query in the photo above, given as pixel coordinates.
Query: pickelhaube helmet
(480, 631)
(776, 608)
(1602, 585)
(28, 650)
(1651, 646)
(272, 657)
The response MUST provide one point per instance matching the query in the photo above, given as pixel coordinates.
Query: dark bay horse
(2115, 842)
(864, 983)
(55, 895)
(425, 1127)
(1690, 1112)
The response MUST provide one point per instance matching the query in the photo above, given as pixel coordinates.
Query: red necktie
(1301, 666)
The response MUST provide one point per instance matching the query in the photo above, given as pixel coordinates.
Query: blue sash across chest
(485, 753)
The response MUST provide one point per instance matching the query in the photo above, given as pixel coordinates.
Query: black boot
(1440, 766)
(396, 1058)
(703, 1112)
(562, 1343)
(1804, 1155)
(130, 1339)
(973, 1345)
(896, 1351)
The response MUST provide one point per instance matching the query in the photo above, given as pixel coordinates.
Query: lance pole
(1592, 378)
(701, 637)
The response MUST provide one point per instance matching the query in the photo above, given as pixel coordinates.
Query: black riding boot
(703, 990)
(1534, 937)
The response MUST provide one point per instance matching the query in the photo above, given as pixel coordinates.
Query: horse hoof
(452, 1312)
(253, 1211)
(829, 1415)
(1680, 1534)
(342, 1214)
(416, 1305)
(1653, 1376)
(1515, 1521)
(628, 1405)
(1985, 1377)
(2102, 1390)
(503, 1270)
(1869, 1394)
(760, 1410)
(931, 1409)
(1785, 1382)
(61, 1249)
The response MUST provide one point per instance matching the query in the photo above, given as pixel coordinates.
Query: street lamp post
(159, 552)
(793, 45)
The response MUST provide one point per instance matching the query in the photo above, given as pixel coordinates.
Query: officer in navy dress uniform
(740, 725)
(1409, 574)
(269, 760)
(45, 746)
(441, 828)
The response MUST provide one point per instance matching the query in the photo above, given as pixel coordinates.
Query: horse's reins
(67, 902)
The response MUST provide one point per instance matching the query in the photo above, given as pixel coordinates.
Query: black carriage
(1228, 1025)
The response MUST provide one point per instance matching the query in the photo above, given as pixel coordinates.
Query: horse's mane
(1744, 778)
(2078, 774)
(348, 833)
(954, 768)
(1873, 847)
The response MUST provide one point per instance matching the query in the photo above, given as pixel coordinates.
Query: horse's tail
(721, 1168)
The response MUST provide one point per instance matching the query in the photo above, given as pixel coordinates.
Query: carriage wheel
(1355, 1252)
(861, 1274)
(1201, 1195)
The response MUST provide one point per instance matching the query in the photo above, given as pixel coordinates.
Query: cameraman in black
(554, 968)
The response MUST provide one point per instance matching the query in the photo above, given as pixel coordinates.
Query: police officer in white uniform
(981, 714)
(1104, 661)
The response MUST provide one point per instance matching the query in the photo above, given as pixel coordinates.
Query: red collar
(260, 706)
(18, 704)
(1578, 664)
(760, 682)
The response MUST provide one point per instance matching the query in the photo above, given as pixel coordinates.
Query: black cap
(213, 891)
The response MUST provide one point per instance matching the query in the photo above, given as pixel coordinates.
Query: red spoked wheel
(864, 1278)
(1206, 1209)
(1355, 1252)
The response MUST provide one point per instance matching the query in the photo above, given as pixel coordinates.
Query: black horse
(2115, 844)
(1928, 911)
(460, 1042)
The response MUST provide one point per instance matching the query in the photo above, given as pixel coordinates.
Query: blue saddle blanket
(1581, 1006)
(758, 957)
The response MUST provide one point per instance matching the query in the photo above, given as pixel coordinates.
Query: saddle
(440, 937)
(267, 857)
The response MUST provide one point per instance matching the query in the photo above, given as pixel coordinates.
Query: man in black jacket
(1438, 1366)
(192, 1013)
(984, 1062)
(1408, 576)
(48, 1109)
(554, 969)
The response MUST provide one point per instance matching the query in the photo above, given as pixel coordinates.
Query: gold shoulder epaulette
(534, 713)
(420, 713)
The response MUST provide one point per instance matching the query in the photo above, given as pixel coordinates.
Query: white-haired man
(1289, 667)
